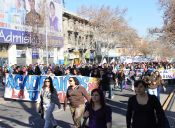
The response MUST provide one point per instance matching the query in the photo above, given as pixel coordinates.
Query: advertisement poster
(22, 21)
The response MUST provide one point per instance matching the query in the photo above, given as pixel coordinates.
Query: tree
(146, 48)
(109, 25)
(167, 32)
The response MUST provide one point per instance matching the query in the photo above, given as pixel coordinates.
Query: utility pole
(47, 55)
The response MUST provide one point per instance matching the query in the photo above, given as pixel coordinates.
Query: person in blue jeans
(159, 82)
(49, 99)
(121, 79)
(108, 82)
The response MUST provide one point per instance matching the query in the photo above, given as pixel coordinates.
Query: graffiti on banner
(28, 87)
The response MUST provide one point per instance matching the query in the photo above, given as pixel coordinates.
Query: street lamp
(47, 56)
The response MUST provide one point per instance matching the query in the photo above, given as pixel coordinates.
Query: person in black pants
(144, 110)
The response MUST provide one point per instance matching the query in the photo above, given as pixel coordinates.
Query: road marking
(167, 101)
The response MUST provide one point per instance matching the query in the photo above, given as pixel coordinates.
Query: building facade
(79, 45)
(28, 38)
(74, 43)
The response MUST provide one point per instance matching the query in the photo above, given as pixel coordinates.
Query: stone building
(78, 38)
(76, 45)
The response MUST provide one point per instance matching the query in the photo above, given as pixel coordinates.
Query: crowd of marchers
(112, 76)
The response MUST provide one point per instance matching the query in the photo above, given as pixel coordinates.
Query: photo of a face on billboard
(20, 20)
(54, 16)
(17, 12)
(33, 18)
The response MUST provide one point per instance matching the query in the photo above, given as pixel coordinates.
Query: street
(22, 114)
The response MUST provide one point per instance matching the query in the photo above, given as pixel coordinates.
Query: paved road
(20, 114)
(170, 112)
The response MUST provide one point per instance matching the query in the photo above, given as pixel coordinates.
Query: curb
(168, 99)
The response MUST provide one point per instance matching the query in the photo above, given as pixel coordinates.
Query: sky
(141, 14)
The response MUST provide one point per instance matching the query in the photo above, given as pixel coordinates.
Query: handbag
(41, 112)
(41, 108)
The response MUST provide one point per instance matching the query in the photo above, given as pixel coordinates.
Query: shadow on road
(124, 95)
(34, 120)
(63, 124)
(171, 118)
(117, 107)
(13, 120)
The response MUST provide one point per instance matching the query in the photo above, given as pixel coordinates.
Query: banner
(28, 87)
(167, 74)
(24, 21)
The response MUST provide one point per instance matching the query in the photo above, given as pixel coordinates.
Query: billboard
(27, 21)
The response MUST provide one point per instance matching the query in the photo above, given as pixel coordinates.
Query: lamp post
(47, 56)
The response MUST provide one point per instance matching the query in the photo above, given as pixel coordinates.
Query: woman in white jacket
(49, 98)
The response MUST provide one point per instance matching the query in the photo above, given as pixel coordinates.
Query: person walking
(159, 82)
(108, 82)
(144, 110)
(75, 95)
(49, 98)
(99, 114)
(121, 79)
(153, 86)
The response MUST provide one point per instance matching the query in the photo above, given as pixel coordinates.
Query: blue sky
(142, 14)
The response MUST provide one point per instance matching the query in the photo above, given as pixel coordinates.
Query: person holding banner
(49, 98)
(75, 95)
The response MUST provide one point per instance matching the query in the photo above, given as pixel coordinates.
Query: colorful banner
(22, 21)
(28, 87)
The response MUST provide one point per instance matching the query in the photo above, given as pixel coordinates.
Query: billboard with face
(29, 21)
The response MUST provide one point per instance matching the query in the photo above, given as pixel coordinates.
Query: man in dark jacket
(108, 82)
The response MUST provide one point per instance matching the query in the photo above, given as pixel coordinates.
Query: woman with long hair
(159, 82)
(144, 110)
(99, 114)
(75, 95)
(121, 79)
(49, 98)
